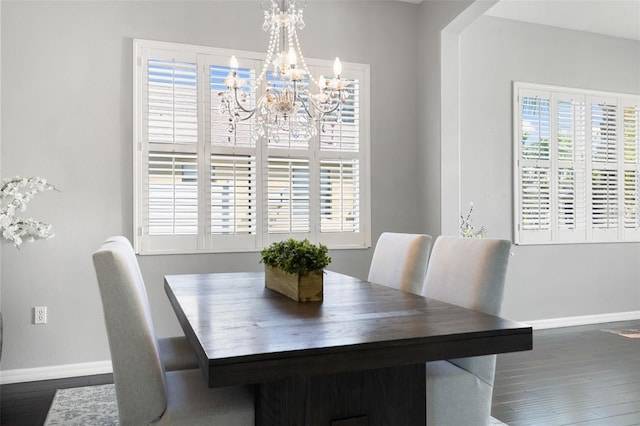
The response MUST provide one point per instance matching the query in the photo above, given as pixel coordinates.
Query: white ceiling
(618, 18)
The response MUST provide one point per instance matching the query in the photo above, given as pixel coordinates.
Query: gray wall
(434, 17)
(67, 116)
(543, 281)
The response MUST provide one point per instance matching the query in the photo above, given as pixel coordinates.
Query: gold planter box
(301, 288)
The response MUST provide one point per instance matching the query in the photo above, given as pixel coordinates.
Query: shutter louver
(340, 129)
(571, 199)
(535, 135)
(631, 147)
(604, 162)
(631, 144)
(233, 195)
(570, 196)
(172, 102)
(222, 133)
(571, 130)
(288, 135)
(173, 194)
(288, 205)
(631, 200)
(339, 196)
(536, 199)
(604, 143)
(604, 199)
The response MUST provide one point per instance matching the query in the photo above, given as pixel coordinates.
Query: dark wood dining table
(356, 358)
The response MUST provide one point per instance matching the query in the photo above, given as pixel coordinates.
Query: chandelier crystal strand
(286, 105)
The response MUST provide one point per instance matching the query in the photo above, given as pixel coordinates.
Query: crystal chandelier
(286, 104)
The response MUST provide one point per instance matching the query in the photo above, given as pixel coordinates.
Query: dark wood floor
(27, 404)
(573, 376)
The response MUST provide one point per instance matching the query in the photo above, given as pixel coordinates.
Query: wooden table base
(382, 397)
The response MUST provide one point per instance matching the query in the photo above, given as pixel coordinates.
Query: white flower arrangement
(15, 193)
(466, 228)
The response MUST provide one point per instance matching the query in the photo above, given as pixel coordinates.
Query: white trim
(55, 372)
(583, 320)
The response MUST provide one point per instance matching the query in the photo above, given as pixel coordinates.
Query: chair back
(400, 261)
(469, 272)
(137, 369)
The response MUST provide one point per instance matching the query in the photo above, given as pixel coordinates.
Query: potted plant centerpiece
(294, 268)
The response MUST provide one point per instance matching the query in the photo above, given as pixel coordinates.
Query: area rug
(88, 405)
(631, 333)
(96, 406)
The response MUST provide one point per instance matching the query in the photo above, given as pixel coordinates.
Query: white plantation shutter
(576, 165)
(604, 199)
(536, 130)
(631, 167)
(570, 148)
(233, 195)
(172, 101)
(173, 194)
(234, 165)
(631, 202)
(167, 149)
(287, 137)
(534, 192)
(604, 169)
(341, 128)
(339, 196)
(604, 123)
(288, 196)
(570, 185)
(220, 133)
(203, 186)
(536, 199)
(339, 166)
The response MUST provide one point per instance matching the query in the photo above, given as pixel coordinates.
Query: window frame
(204, 241)
(585, 165)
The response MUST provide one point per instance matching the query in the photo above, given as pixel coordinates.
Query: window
(199, 187)
(577, 165)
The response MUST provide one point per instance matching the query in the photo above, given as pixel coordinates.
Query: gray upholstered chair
(146, 393)
(467, 272)
(175, 352)
(400, 261)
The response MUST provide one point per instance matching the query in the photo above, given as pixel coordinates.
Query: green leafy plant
(296, 257)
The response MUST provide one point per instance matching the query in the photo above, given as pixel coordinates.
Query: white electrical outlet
(40, 315)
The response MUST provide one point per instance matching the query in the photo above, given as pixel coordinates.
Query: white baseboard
(104, 367)
(55, 372)
(583, 320)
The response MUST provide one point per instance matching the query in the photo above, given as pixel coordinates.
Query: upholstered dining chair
(467, 272)
(175, 352)
(400, 261)
(145, 392)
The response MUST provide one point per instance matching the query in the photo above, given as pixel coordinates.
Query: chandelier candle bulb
(293, 60)
(233, 63)
(337, 67)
